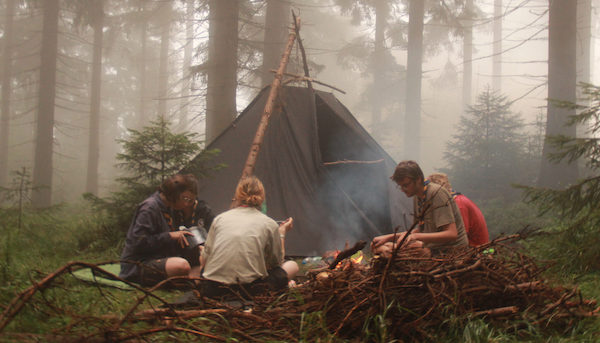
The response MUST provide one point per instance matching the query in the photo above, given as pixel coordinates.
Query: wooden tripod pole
(264, 120)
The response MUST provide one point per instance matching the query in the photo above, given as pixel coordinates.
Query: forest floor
(505, 296)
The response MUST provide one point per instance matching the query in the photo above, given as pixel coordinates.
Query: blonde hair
(441, 179)
(250, 192)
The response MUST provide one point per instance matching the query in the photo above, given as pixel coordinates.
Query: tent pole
(264, 120)
(301, 46)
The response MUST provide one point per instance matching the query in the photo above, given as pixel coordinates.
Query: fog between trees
(199, 63)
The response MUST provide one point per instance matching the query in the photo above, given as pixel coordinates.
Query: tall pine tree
(486, 152)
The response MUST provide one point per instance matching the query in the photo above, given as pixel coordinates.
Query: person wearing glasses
(438, 223)
(155, 249)
(196, 212)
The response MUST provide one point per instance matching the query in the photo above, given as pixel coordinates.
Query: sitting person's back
(244, 250)
(241, 246)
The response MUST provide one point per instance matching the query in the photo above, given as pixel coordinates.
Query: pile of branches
(408, 298)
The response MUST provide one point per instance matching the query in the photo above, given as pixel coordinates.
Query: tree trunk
(42, 170)
(276, 23)
(497, 50)
(94, 138)
(142, 66)
(467, 55)
(381, 14)
(412, 128)
(187, 63)
(584, 40)
(584, 49)
(6, 90)
(163, 69)
(222, 61)
(562, 78)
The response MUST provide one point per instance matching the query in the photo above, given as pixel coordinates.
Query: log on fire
(344, 254)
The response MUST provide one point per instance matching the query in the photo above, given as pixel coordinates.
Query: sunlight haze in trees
(62, 115)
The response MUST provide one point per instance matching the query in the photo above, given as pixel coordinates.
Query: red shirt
(474, 221)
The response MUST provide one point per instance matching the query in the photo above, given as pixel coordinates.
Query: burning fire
(357, 258)
(330, 256)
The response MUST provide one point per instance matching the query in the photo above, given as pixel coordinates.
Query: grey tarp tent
(330, 204)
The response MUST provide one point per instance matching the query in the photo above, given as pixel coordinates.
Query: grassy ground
(46, 241)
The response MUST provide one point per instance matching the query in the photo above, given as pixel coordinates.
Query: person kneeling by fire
(438, 226)
(244, 250)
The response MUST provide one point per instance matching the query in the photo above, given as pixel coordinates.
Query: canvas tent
(330, 203)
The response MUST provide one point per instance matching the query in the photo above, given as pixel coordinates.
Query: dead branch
(502, 311)
(344, 254)
(301, 46)
(298, 77)
(352, 162)
(171, 328)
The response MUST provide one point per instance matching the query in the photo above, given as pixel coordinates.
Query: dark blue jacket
(148, 237)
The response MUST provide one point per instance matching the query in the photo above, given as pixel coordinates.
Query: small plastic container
(311, 260)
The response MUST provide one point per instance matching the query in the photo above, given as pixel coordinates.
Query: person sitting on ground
(155, 249)
(439, 226)
(244, 250)
(475, 225)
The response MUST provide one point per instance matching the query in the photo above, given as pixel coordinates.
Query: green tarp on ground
(96, 277)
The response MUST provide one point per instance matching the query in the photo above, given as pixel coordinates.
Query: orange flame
(357, 258)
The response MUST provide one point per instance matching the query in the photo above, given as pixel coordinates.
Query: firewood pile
(412, 297)
(417, 296)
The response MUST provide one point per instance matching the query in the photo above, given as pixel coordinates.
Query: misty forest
(104, 101)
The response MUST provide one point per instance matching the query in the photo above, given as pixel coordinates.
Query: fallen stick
(526, 285)
(501, 311)
(351, 162)
(18, 302)
(458, 271)
(171, 328)
(557, 303)
(587, 302)
(348, 315)
(157, 313)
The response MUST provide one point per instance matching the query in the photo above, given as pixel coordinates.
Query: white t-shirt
(241, 246)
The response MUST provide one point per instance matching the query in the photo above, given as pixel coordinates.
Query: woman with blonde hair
(244, 250)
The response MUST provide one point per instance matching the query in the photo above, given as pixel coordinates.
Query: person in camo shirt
(439, 228)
